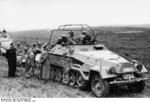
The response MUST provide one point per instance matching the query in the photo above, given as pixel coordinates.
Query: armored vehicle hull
(95, 66)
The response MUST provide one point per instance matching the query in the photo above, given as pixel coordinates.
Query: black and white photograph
(74, 49)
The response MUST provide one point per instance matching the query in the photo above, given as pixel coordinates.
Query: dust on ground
(34, 87)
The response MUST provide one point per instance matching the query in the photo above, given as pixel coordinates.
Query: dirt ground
(34, 87)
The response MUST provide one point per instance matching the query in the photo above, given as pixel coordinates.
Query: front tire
(137, 87)
(99, 87)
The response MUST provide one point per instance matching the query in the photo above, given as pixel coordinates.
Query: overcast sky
(39, 14)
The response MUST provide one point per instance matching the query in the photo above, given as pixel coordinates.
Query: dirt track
(33, 87)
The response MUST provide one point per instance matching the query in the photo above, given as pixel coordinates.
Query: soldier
(72, 39)
(11, 58)
(18, 48)
(63, 40)
(4, 33)
(0, 34)
(37, 52)
(30, 61)
(44, 72)
(86, 38)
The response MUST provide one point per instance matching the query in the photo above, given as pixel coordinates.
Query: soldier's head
(34, 45)
(84, 32)
(39, 44)
(27, 45)
(64, 38)
(4, 31)
(71, 34)
(18, 45)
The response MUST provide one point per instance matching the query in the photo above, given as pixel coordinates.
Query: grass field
(130, 42)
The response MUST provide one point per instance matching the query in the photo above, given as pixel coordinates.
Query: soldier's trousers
(12, 67)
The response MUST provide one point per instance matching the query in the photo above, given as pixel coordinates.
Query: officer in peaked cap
(86, 38)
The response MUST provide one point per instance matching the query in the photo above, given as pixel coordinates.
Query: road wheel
(58, 74)
(80, 80)
(52, 72)
(137, 87)
(99, 87)
(72, 79)
(65, 77)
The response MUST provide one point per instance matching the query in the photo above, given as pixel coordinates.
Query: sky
(46, 14)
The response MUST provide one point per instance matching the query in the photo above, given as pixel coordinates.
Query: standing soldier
(4, 33)
(11, 58)
(44, 64)
(18, 49)
(72, 39)
(30, 62)
(37, 52)
(86, 38)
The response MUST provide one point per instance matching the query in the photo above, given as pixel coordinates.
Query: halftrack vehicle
(91, 64)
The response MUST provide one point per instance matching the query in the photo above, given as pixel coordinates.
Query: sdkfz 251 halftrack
(92, 64)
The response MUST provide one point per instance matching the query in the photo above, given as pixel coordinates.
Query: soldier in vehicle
(72, 38)
(86, 38)
(63, 40)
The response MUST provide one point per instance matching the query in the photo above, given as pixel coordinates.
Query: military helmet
(34, 45)
(38, 43)
(4, 31)
(84, 32)
(63, 36)
(71, 32)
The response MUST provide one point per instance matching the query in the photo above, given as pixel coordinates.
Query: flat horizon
(19, 15)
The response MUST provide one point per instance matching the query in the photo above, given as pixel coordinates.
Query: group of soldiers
(15, 54)
(36, 54)
(82, 39)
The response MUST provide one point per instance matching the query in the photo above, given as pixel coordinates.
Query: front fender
(103, 72)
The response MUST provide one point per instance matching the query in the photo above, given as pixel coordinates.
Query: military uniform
(73, 40)
(62, 40)
(30, 63)
(12, 60)
(45, 72)
(86, 38)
